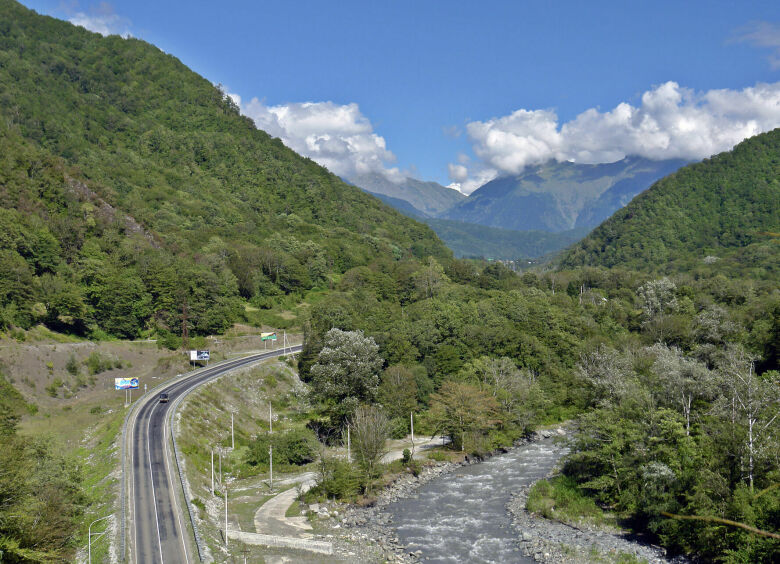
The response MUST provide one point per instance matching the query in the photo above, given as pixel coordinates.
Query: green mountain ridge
(728, 206)
(135, 196)
(474, 241)
(559, 196)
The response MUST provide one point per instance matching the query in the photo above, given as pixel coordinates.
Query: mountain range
(559, 196)
(428, 199)
(518, 215)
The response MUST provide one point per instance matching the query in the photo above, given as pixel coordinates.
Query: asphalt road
(156, 523)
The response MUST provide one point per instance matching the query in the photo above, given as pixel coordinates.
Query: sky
(461, 92)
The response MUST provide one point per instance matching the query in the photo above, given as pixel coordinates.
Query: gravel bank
(373, 526)
(552, 542)
(355, 529)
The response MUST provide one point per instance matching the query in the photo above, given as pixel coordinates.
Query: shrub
(399, 427)
(560, 498)
(407, 456)
(437, 455)
(168, 340)
(52, 388)
(72, 366)
(97, 363)
(337, 479)
(298, 446)
(295, 447)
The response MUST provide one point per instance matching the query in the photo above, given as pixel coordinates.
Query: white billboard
(125, 383)
(199, 355)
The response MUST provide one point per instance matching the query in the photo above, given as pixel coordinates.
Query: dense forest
(136, 198)
(137, 201)
(724, 209)
(672, 379)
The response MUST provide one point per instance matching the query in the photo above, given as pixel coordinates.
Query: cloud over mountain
(339, 137)
(102, 19)
(670, 122)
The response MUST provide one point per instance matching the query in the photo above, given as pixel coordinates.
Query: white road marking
(173, 490)
(271, 354)
(132, 483)
(151, 477)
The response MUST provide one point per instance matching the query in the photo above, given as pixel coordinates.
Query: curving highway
(156, 522)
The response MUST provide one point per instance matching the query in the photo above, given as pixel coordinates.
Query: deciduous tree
(346, 373)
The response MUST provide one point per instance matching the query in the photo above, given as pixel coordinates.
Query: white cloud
(670, 122)
(102, 19)
(763, 34)
(339, 137)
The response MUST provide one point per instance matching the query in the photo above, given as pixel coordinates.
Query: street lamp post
(89, 537)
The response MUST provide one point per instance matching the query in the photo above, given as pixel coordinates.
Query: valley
(388, 359)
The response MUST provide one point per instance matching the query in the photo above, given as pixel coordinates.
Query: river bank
(526, 538)
(552, 542)
(360, 526)
(375, 525)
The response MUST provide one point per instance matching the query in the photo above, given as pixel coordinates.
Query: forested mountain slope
(135, 195)
(725, 207)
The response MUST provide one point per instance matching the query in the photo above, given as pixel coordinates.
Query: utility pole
(226, 519)
(220, 465)
(185, 331)
(411, 415)
(271, 465)
(232, 437)
(212, 471)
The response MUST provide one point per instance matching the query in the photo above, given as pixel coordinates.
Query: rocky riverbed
(373, 526)
(552, 542)
(368, 534)
(356, 528)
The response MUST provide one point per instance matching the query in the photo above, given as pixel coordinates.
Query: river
(462, 516)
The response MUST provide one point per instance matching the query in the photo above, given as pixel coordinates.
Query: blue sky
(463, 91)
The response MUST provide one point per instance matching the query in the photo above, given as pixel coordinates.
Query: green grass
(245, 511)
(295, 510)
(560, 498)
(41, 333)
(101, 460)
(597, 557)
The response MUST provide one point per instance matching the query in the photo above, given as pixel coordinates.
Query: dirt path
(271, 519)
(421, 444)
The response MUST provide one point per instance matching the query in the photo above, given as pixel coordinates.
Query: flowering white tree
(681, 380)
(346, 373)
(751, 401)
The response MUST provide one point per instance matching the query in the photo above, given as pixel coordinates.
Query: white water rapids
(462, 516)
